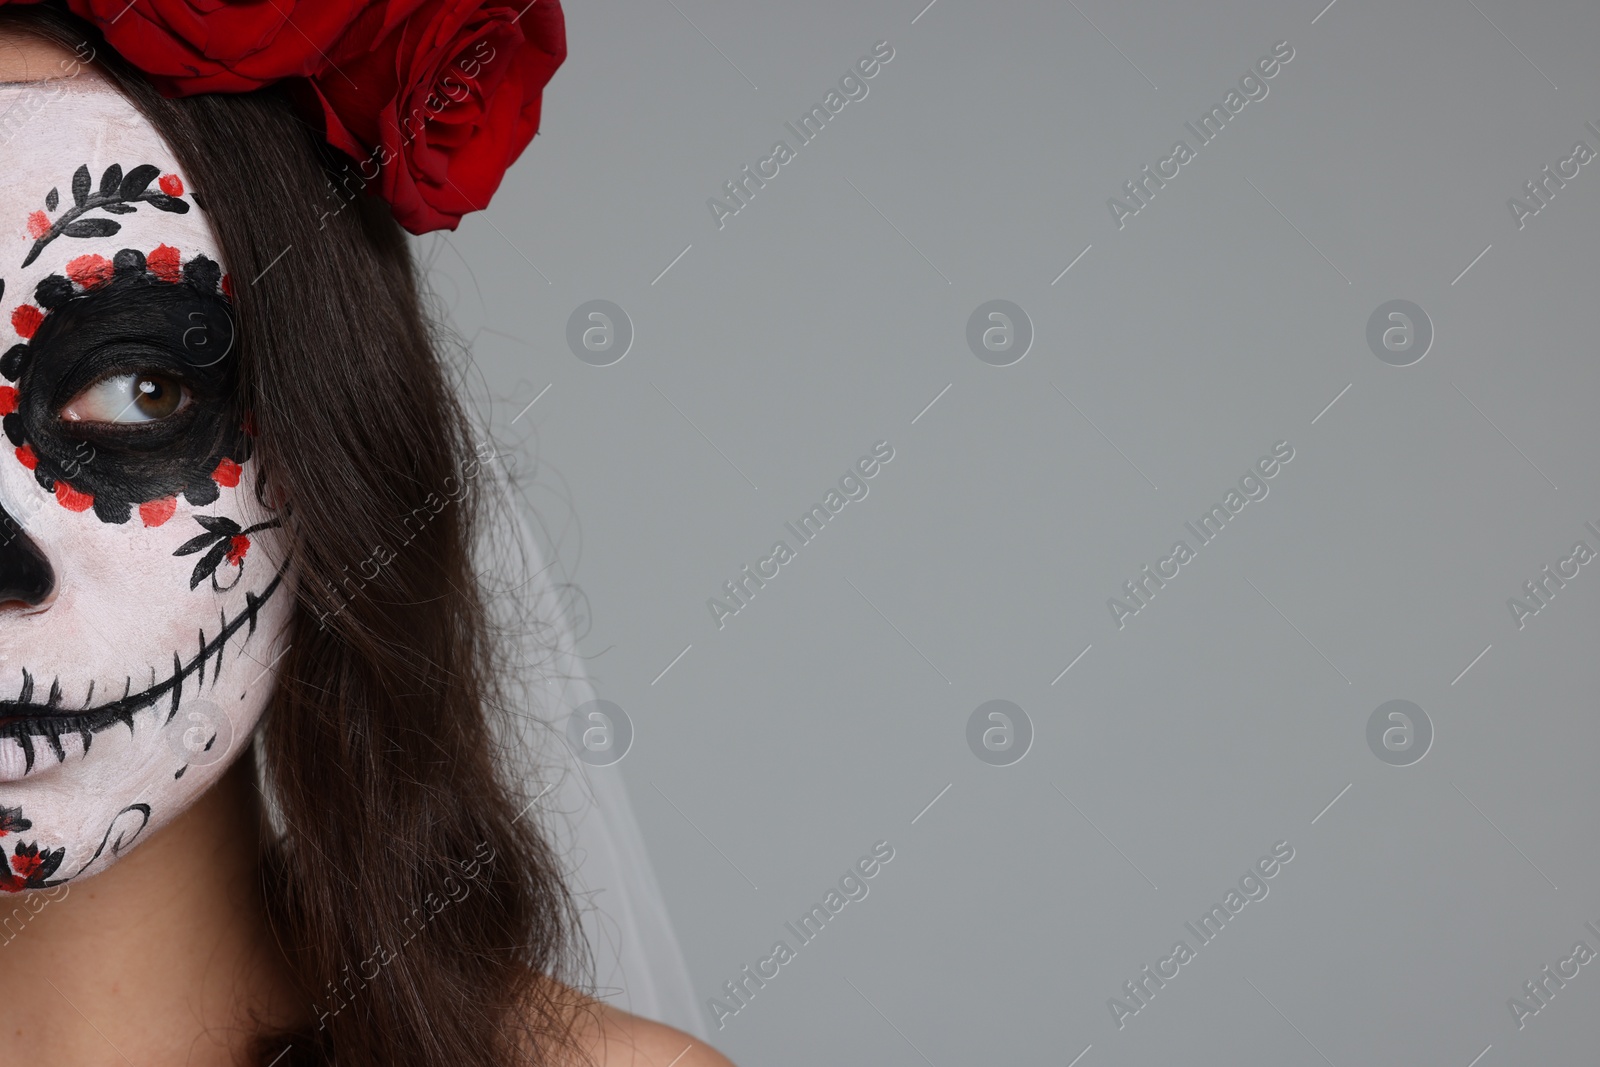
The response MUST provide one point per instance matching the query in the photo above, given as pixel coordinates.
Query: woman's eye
(128, 398)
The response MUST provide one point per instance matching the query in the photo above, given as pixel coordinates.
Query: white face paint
(143, 593)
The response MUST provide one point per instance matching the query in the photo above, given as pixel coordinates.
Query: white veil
(638, 965)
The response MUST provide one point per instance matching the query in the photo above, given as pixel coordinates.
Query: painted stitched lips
(149, 314)
(149, 583)
(28, 717)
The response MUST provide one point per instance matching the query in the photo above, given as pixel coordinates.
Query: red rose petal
(26, 319)
(38, 225)
(26, 457)
(377, 59)
(443, 105)
(226, 474)
(156, 512)
(163, 263)
(8, 399)
(171, 184)
(90, 270)
(228, 46)
(73, 500)
(238, 545)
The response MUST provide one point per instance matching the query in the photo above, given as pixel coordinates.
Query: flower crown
(434, 99)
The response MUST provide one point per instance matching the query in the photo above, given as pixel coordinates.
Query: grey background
(1221, 319)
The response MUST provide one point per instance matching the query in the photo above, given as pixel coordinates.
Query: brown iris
(157, 397)
(127, 398)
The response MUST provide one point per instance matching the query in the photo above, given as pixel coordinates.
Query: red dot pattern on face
(73, 500)
(171, 184)
(238, 545)
(163, 263)
(26, 865)
(156, 512)
(38, 225)
(26, 319)
(89, 271)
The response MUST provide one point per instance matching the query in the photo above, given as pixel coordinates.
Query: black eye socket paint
(135, 314)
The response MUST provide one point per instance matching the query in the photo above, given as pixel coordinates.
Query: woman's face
(144, 596)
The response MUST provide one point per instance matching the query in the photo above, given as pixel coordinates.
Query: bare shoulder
(613, 1038)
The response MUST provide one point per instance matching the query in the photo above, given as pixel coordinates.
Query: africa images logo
(1252, 86)
(741, 590)
(1141, 590)
(1139, 991)
(852, 87)
(852, 886)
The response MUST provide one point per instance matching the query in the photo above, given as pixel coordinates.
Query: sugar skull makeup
(144, 590)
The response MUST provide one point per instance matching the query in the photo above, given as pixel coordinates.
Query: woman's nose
(25, 573)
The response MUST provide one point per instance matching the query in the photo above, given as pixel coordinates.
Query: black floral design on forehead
(137, 313)
(119, 194)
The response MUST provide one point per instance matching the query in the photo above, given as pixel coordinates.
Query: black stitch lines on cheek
(136, 314)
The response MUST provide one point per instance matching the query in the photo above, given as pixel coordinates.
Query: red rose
(229, 46)
(440, 105)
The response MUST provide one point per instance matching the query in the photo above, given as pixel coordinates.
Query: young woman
(252, 806)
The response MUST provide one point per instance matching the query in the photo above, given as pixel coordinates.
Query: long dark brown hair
(379, 749)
